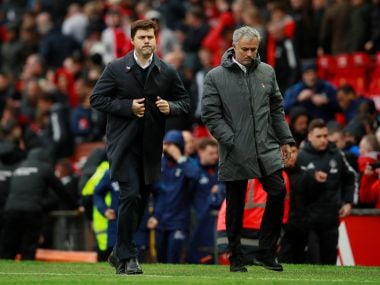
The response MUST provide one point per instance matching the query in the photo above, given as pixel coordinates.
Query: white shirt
(139, 63)
(242, 67)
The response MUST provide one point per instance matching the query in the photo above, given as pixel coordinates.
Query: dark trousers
(171, 245)
(322, 246)
(133, 200)
(293, 245)
(20, 234)
(270, 229)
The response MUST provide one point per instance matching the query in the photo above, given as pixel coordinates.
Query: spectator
(360, 21)
(11, 55)
(349, 101)
(171, 216)
(76, 23)
(166, 40)
(299, 121)
(316, 95)
(369, 155)
(207, 198)
(106, 201)
(115, 39)
(373, 44)
(54, 46)
(334, 33)
(65, 172)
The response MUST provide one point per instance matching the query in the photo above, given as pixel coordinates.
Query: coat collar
(130, 63)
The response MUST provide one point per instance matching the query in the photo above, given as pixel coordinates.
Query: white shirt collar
(242, 67)
(139, 63)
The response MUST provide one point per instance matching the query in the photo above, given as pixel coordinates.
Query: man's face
(344, 99)
(300, 124)
(318, 138)
(209, 155)
(310, 78)
(293, 158)
(338, 139)
(144, 42)
(246, 50)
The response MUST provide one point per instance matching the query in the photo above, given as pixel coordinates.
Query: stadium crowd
(327, 64)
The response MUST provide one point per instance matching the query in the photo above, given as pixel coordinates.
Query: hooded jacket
(244, 112)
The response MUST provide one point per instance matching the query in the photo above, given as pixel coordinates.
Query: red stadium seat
(353, 69)
(326, 66)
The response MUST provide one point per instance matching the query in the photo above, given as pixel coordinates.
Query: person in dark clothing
(54, 46)
(137, 92)
(334, 185)
(316, 95)
(207, 199)
(299, 121)
(24, 208)
(294, 241)
(10, 157)
(243, 109)
(172, 199)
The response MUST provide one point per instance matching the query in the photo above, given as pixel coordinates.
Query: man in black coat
(30, 184)
(137, 92)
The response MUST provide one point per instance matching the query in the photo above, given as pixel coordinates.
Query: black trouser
(270, 229)
(322, 245)
(293, 245)
(20, 234)
(132, 203)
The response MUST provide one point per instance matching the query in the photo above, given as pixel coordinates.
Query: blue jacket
(172, 194)
(326, 112)
(203, 200)
(106, 195)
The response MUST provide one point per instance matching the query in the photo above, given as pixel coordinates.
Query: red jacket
(255, 201)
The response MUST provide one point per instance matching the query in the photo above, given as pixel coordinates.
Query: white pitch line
(182, 276)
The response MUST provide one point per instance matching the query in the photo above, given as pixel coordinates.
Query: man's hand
(138, 107)
(345, 210)
(163, 106)
(319, 99)
(152, 223)
(110, 214)
(173, 151)
(305, 95)
(286, 153)
(320, 176)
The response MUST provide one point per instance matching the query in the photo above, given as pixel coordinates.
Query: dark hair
(142, 25)
(346, 88)
(204, 143)
(316, 124)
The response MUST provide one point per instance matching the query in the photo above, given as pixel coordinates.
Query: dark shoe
(268, 264)
(132, 266)
(237, 265)
(118, 265)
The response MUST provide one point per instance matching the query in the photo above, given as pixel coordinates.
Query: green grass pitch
(12, 272)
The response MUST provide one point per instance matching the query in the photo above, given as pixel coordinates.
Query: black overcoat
(113, 93)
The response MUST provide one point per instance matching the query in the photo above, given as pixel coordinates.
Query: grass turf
(101, 273)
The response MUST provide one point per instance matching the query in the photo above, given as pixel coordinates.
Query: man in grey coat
(243, 109)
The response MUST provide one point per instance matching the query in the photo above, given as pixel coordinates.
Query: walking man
(243, 109)
(137, 92)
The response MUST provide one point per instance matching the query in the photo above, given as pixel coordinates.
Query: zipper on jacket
(249, 84)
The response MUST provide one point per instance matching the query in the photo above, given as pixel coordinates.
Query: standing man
(243, 109)
(333, 185)
(137, 92)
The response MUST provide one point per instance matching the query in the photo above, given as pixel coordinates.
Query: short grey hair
(247, 32)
